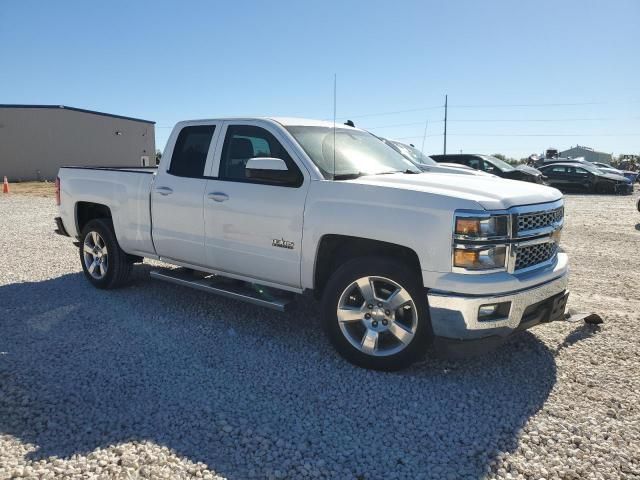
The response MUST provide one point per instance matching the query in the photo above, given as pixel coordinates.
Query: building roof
(64, 107)
(584, 149)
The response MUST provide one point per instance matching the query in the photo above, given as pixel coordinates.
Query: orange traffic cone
(5, 185)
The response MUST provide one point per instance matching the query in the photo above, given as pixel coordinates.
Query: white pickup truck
(261, 209)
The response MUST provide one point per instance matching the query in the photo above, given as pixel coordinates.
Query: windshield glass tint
(356, 151)
(590, 168)
(414, 154)
(504, 166)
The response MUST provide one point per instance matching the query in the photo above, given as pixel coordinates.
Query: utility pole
(445, 125)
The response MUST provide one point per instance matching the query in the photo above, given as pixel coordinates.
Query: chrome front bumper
(455, 316)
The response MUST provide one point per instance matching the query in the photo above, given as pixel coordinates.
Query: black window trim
(212, 145)
(223, 136)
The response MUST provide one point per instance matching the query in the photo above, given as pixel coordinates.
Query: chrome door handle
(218, 196)
(164, 190)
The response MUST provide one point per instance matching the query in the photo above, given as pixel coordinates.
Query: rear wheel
(375, 313)
(104, 263)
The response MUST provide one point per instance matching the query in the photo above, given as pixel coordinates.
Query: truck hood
(491, 193)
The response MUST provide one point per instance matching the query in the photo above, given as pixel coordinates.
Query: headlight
(480, 241)
(480, 258)
(482, 227)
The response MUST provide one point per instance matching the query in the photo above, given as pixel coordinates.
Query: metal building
(36, 140)
(589, 154)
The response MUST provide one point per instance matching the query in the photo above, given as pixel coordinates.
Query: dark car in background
(494, 166)
(585, 177)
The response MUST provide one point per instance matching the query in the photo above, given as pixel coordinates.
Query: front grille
(534, 254)
(536, 220)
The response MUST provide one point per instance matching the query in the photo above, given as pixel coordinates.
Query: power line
(419, 136)
(528, 135)
(545, 134)
(398, 125)
(522, 120)
(517, 105)
(494, 105)
(380, 114)
(499, 120)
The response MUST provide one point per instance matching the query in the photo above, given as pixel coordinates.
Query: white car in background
(428, 164)
(605, 167)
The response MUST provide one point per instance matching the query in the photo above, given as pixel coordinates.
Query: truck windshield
(356, 152)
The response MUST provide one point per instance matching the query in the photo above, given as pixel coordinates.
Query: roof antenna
(335, 81)
(424, 137)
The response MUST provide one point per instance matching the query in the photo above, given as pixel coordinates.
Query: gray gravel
(157, 381)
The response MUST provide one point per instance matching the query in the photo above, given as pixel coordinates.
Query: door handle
(218, 196)
(164, 190)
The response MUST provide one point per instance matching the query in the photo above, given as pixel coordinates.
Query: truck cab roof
(284, 121)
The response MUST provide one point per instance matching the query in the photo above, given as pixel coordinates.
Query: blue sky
(521, 76)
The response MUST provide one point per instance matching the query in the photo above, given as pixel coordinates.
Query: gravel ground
(157, 381)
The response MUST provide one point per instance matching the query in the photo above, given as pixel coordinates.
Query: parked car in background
(585, 177)
(459, 166)
(605, 167)
(427, 164)
(494, 166)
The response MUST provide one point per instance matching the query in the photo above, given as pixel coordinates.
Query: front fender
(420, 221)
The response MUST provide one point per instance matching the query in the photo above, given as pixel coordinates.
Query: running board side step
(235, 289)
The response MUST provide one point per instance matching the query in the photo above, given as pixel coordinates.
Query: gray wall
(36, 142)
(589, 155)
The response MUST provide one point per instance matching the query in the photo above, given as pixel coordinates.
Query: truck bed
(125, 191)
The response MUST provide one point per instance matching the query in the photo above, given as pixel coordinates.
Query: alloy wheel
(96, 255)
(377, 316)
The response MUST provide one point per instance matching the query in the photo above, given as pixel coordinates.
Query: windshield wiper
(351, 176)
(397, 171)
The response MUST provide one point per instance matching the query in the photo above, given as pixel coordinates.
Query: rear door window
(556, 171)
(190, 152)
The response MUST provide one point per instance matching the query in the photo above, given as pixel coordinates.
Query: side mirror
(268, 169)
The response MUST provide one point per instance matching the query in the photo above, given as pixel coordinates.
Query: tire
(103, 262)
(369, 331)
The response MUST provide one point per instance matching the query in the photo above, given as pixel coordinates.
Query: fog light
(494, 311)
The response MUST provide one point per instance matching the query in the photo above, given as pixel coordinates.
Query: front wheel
(375, 313)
